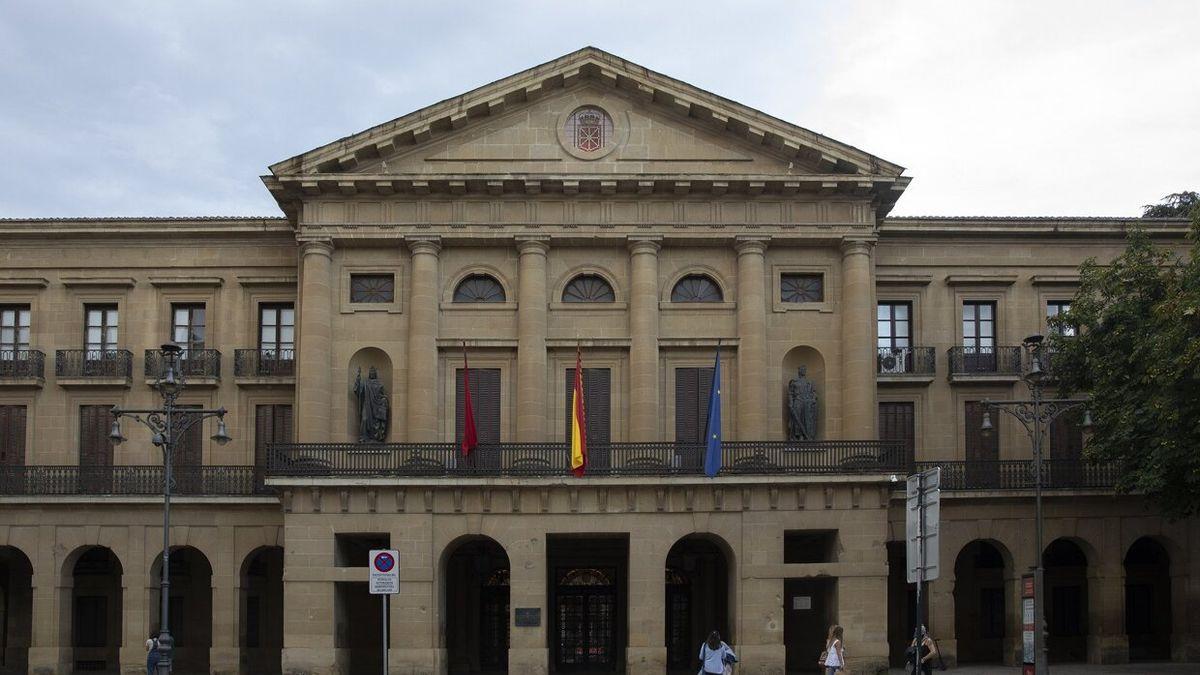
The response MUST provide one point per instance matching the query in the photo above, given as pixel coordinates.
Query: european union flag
(712, 433)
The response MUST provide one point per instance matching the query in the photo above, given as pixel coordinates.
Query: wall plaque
(529, 617)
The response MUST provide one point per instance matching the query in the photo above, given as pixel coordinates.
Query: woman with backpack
(922, 658)
(716, 657)
(833, 658)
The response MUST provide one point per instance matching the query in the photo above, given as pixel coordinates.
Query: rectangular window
(983, 450)
(12, 435)
(596, 401)
(1056, 307)
(485, 402)
(95, 449)
(272, 424)
(14, 330)
(802, 288)
(894, 324)
(979, 336)
(100, 336)
(896, 423)
(277, 331)
(187, 326)
(692, 388)
(372, 288)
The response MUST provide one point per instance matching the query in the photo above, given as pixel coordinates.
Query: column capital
(751, 244)
(857, 246)
(431, 244)
(323, 246)
(532, 244)
(644, 244)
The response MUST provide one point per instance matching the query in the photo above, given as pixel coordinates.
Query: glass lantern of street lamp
(986, 426)
(1033, 343)
(1086, 425)
(115, 436)
(222, 436)
(169, 382)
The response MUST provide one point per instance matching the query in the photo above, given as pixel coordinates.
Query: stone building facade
(586, 206)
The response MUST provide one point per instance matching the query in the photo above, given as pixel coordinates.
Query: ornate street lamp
(1035, 415)
(167, 425)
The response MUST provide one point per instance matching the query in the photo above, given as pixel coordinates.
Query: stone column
(422, 340)
(225, 654)
(528, 651)
(50, 649)
(643, 339)
(1106, 639)
(647, 652)
(858, 340)
(752, 339)
(314, 357)
(531, 339)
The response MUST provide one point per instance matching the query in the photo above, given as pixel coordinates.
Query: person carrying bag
(716, 657)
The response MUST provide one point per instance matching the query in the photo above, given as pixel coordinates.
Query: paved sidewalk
(1081, 669)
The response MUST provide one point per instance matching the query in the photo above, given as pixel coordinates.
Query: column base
(133, 660)
(310, 661)
(763, 659)
(949, 649)
(1185, 647)
(648, 660)
(224, 661)
(529, 661)
(1107, 649)
(50, 661)
(1014, 651)
(402, 660)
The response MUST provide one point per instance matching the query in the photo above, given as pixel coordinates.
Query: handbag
(821, 659)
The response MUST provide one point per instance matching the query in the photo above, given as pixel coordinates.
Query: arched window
(585, 577)
(479, 288)
(696, 288)
(588, 288)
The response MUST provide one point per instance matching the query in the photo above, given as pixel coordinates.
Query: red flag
(470, 439)
(578, 421)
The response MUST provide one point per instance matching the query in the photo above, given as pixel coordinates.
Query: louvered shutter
(485, 401)
(95, 422)
(189, 450)
(597, 401)
(983, 452)
(896, 423)
(1066, 450)
(12, 435)
(272, 424)
(686, 417)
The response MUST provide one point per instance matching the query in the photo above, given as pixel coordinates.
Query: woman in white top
(834, 656)
(714, 655)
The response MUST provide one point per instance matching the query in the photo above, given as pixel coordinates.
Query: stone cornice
(24, 282)
(170, 282)
(1065, 227)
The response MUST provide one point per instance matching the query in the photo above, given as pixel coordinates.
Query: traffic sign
(385, 572)
(921, 524)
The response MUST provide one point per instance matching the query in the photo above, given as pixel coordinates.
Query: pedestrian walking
(833, 658)
(921, 658)
(153, 655)
(716, 657)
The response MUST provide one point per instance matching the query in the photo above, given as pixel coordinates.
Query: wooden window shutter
(95, 449)
(983, 452)
(272, 424)
(12, 435)
(1066, 437)
(897, 423)
(597, 401)
(692, 389)
(189, 451)
(485, 401)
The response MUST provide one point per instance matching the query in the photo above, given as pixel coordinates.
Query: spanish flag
(578, 420)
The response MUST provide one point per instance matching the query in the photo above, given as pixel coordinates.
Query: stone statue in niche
(802, 407)
(372, 407)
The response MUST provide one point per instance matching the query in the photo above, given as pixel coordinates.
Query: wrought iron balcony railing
(98, 363)
(1018, 474)
(22, 363)
(192, 362)
(901, 361)
(553, 459)
(130, 480)
(985, 361)
(264, 363)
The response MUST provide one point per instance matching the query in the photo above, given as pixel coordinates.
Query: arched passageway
(190, 611)
(1148, 600)
(260, 633)
(1066, 602)
(16, 610)
(477, 607)
(697, 599)
(979, 608)
(95, 599)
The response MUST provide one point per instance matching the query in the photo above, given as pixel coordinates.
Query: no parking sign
(385, 572)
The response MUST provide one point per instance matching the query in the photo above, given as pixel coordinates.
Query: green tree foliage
(1136, 353)
(1176, 205)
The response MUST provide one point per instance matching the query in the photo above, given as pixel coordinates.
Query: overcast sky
(995, 108)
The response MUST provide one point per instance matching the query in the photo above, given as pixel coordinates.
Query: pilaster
(646, 652)
(315, 344)
(643, 339)
(531, 339)
(752, 338)
(528, 651)
(1106, 640)
(422, 340)
(858, 340)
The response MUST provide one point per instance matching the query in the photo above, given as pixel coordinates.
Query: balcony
(985, 364)
(553, 459)
(200, 367)
(905, 365)
(93, 368)
(22, 368)
(264, 366)
(130, 480)
(1057, 474)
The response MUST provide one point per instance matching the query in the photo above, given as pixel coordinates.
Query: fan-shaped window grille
(479, 288)
(588, 288)
(372, 287)
(802, 288)
(675, 577)
(585, 577)
(497, 578)
(696, 288)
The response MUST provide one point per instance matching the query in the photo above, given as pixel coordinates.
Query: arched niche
(366, 358)
(811, 359)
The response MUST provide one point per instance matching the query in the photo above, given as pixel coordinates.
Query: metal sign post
(385, 581)
(923, 499)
